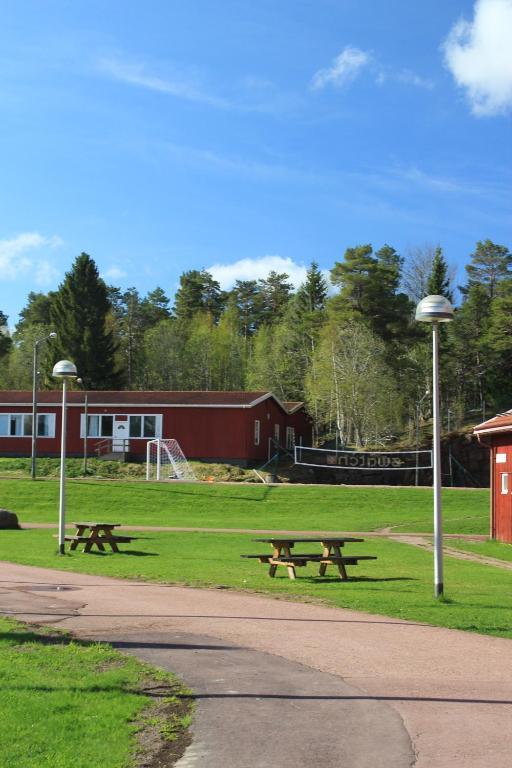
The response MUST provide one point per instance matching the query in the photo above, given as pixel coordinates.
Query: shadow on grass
(198, 490)
(125, 552)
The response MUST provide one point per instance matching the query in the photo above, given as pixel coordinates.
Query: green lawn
(485, 548)
(62, 700)
(398, 583)
(290, 507)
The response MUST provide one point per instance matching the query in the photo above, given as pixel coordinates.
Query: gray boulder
(8, 519)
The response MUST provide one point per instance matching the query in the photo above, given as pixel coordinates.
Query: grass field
(493, 549)
(285, 507)
(62, 701)
(398, 583)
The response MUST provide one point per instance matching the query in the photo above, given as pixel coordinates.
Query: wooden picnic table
(97, 534)
(331, 554)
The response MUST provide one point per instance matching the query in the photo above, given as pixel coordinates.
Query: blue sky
(239, 136)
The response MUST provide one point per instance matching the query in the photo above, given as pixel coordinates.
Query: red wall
(209, 433)
(501, 503)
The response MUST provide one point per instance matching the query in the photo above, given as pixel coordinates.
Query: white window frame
(100, 436)
(290, 438)
(24, 420)
(504, 483)
(257, 431)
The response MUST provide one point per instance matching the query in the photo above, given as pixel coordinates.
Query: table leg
(323, 566)
(341, 566)
(79, 532)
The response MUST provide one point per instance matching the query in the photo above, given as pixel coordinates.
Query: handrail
(107, 446)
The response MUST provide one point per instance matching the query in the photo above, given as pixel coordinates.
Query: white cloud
(114, 273)
(344, 68)
(254, 269)
(17, 258)
(135, 73)
(479, 56)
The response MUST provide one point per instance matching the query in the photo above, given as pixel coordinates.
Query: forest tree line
(354, 354)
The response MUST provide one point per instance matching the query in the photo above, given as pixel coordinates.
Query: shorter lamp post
(64, 370)
(35, 378)
(81, 383)
(436, 309)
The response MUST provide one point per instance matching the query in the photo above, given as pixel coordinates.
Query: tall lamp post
(435, 310)
(82, 384)
(35, 378)
(64, 370)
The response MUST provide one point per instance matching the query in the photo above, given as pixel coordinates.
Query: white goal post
(330, 458)
(166, 461)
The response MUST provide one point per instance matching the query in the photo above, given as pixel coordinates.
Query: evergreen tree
(5, 339)
(37, 310)
(155, 307)
(79, 315)
(198, 292)
(312, 293)
(439, 281)
(490, 263)
(246, 294)
(275, 292)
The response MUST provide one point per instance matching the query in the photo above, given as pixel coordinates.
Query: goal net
(166, 461)
(362, 460)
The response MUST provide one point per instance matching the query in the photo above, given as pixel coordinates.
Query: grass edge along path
(398, 583)
(72, 704)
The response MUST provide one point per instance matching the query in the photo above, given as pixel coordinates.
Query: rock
(8, 519)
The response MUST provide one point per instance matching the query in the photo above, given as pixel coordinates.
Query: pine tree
(198, 292)
(439, 281)
(5, 339)
(490, 263)
(79, 315)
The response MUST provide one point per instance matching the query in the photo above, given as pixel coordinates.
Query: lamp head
(64, 369)
(434, 309)
(52, 335)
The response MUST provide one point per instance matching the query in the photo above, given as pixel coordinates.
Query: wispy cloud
(478, 53)
(352, 62)
(175, 84)
(344, 68)
(17, 257)
(114, 273)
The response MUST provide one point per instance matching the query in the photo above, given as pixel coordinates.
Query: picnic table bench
(98, 535)
(331, 554)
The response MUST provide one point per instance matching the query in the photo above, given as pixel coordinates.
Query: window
(290, 437)
(135, 426)
(102, 425)
(256, 432)
(97, 426)
(276, 433)
(20, 425)
(149, 426)
(504, 482)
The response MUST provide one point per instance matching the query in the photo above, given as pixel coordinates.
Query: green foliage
(439, 280)
(79, 315)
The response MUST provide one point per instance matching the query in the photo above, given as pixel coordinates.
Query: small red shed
(496, 434)
(220, 426)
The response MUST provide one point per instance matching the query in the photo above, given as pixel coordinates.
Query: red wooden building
(496, 435)
(221, 426)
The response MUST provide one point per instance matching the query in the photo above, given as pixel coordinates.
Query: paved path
(319, 681)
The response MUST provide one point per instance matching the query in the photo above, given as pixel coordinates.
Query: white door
(120, 435)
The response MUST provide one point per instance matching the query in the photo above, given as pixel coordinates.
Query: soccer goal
(363, 460)
(166, 461)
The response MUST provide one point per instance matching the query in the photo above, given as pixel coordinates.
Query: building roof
(500, 423)
(191, 399)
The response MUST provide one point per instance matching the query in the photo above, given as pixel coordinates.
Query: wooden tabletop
(98, 525)
(327, 539)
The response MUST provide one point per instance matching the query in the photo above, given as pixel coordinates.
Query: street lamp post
(35, 377)
(82, 384)
(435, 310)
(64, 370)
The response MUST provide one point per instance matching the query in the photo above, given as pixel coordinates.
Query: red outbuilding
(496, 434)
(220, 426)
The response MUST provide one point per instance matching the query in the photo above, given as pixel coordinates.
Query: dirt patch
(163, 732)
